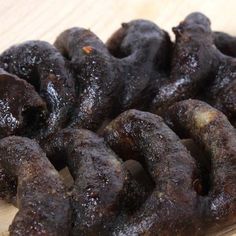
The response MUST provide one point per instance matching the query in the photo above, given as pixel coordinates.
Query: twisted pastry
(90, 82)
(19, 103)
(101, 185)
(44, 208)
(225, 43)
(197, 63)
(96, 74)
(144, 137)
(107, 84)
(213, 132)
(40, 64)
(144, 53)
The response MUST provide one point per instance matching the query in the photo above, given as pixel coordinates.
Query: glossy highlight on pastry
(144, 126)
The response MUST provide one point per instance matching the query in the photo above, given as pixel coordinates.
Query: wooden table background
(22, 20)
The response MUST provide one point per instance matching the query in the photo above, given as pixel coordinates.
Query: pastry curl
(21, 108)
(96, 74)
(125, 76)
(144, 137)
(225, 43)
(197, 65)
(40, 64)
(213, 132)
(144, 52)
(102, 186)
(44, 208)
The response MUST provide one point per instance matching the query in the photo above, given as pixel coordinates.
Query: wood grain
(33, 19)
(7, 212)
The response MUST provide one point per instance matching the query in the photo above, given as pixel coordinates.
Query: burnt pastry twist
(44, 208)
(40, 64)
(96, 75)
(123, 77)
(196, 64)
(19, 103)
(212, 131)
(225, 43)
(80, 83)
(144, 52)
(144, 137)
(102, 185)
